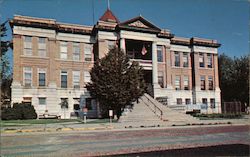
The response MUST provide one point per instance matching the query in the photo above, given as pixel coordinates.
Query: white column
(122, 44)
(154, 64)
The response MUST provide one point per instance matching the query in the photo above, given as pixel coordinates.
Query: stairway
(171, 115)
(149, 112)
(140, 116)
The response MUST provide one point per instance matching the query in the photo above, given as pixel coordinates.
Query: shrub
(19, 111)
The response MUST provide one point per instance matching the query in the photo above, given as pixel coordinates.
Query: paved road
(120, 142)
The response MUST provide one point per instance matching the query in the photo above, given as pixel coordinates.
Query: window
(177, 82)
(64, 79)
(204, 101)
(76, 79)
(159, 54)
(111, 44)
(42, 101)
(179, 101)
(88, 103)
(210, 83)
(41, 47)
(76, 103)
(186, 83)
(185, 59)
(209, 60)
(27, 46)
(27, 72)
(87, 52)
(87, 77)
(160, 79)
(201, 59)
(41, 77)
(177, 59)
(63, 50)
(187, 101)
(203, 85)
(212, 103)
(64, 103)
(76, 51)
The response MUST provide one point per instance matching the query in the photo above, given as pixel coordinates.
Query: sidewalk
(74, 126)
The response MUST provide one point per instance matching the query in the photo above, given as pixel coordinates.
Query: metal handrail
(155, 107)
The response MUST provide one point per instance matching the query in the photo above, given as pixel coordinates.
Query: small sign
(110, 113)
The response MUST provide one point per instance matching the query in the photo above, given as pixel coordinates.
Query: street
(96, 143)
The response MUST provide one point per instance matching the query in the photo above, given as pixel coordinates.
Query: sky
(226, 21)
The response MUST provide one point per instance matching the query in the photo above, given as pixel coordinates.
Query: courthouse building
(52, 61)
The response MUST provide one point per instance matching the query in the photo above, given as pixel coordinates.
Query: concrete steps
(141, 115)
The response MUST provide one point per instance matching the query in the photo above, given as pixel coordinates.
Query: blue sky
(224, 20)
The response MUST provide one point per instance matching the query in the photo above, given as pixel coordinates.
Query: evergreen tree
(115, 82)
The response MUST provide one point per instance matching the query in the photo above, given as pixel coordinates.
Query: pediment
(139, 23)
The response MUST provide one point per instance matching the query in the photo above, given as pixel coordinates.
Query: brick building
(52, 62)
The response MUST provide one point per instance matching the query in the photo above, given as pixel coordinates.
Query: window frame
(45, 101)
(88, 54)
(186, 78)
(179, 86)
(64, 73)
(27, 46)
(86, 74)
(63, 55)
(42, 49)
(160, 53)
(210, 60)
(185, 55)
(202, 78)
(76, 73)
(41, 71)
(27, 70)
(177, 58)
(201, 57)
(76, 51)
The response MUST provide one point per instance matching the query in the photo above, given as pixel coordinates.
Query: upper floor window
(209, 61)
(27, 75)
(186, 83)
(87, 77)
(159, 54)
(177, 82)
(76, 79)
(63, 50)
(111, 44)
(160, 79)
(87, 52)
(177, 59)
(41, 77)
(201, 59)
(64, 79)
(27, 46)
(203, 84)
(41, 47)
(185, 59)
(76, 51)
(210, 83)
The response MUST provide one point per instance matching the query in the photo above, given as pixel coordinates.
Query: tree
(115, 82)
(234, 78)
(5, 65)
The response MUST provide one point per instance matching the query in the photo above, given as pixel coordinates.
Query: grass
(15, 123)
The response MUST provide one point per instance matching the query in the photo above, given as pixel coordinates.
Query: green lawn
(9, 123)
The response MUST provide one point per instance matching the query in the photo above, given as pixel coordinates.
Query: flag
(144, 50)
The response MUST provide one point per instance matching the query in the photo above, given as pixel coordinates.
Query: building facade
(52, 61)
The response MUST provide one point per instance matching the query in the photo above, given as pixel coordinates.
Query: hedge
(19, 111)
